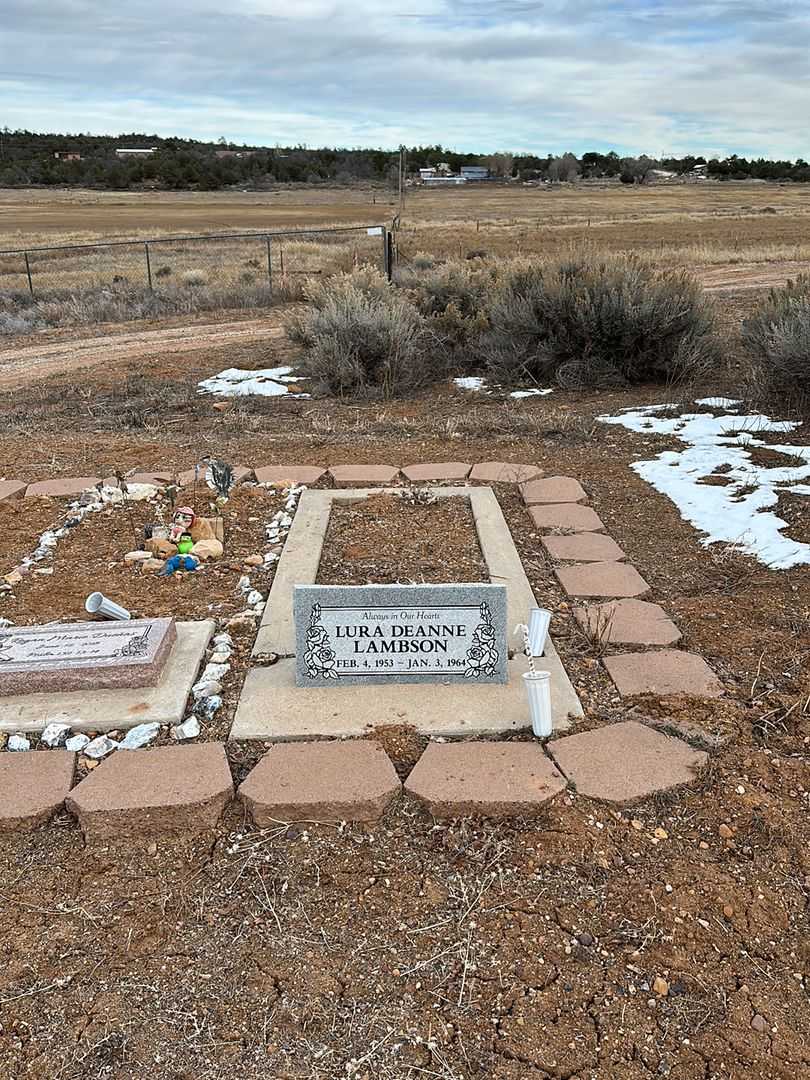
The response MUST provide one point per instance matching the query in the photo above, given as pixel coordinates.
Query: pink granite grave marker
(84, 656)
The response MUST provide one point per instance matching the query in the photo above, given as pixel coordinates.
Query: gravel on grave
(386, 540)
(91, 557)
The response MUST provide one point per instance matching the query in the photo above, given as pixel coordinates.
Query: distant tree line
(30, 159)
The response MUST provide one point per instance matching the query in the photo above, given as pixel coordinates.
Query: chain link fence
(189, 261)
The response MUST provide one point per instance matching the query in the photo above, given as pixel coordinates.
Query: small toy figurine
(183, 560)
(185, 523)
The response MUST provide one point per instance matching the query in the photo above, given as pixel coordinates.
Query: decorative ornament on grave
(196, 536)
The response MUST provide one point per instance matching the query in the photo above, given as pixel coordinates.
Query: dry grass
(695, 224)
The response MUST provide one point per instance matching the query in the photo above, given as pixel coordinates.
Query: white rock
(205, 689)
(254, 597)
(55, 733)
(77, 742)
(214, 673)
(18, 742)
(221, 656)
(140, 735)
(259, 608)
(223, 639)
(48, 540)
(137, 556)
(100, 747)
(189, 729)
(243, 584)
(207, 706)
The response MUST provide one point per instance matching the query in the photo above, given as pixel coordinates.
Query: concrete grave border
(105, 710)
(272, 707)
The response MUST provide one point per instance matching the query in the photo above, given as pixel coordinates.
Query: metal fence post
(385, 267)
(28, 272)
(269, 267)
(148, 267)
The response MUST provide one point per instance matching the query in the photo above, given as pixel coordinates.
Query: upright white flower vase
(539, 622)
(538, 688)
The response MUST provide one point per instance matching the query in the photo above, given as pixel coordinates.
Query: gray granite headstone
(367, 634)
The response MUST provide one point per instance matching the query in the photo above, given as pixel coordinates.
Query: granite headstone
(84, 656)
(372, 634)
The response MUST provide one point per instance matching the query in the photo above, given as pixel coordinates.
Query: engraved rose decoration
(482, 655)
(319, 659)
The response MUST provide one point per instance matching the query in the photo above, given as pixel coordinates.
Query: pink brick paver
(569, 517)
(289, 474)
(441, 470)
(240, 473)
(11, 489)
(494, 779)
(159, 479)
(628, 622)
(70, 485)
(503, 472)
(666, 671)
(33, 786)
(553, 490)
(601, 579)
(625, 761)
(583, 547)
(323, 781)
(353, 475)
(169, 789)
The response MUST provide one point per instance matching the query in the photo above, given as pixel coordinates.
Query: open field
(694, 223)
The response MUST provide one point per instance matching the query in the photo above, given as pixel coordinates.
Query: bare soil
(524, 950)
(385, 540)
(91, 557)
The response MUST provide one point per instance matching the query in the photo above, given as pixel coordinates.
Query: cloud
(636, 75)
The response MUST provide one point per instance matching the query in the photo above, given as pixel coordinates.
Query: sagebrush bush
(463, 285)
(596, 322)
(362, 336)
(777, 339)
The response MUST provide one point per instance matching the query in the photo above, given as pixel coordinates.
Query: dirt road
(28, 363)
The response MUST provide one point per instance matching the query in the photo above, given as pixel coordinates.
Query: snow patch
(471, 382)
(478, 383)
(735, 512)
(719, 402)
(263, 382)
(536, 392)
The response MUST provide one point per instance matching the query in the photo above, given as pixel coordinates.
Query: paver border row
(630, 585)
(70, 486)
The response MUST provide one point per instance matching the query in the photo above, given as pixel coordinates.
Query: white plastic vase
(539, 621)
(98, 604)
(538, 688)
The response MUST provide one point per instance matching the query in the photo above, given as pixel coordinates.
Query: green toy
(185, 545)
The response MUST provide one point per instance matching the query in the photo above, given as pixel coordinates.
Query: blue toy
(179, 562)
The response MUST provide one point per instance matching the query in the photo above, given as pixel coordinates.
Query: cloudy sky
(672, 76)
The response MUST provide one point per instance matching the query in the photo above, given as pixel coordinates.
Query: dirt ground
(386, 540)
(523, 950)
(517, 951)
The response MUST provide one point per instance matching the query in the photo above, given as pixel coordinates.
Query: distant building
(235, 153)
(426, 174)
(444, 181)
(67, 155)
(135, 151)
(475, 172)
